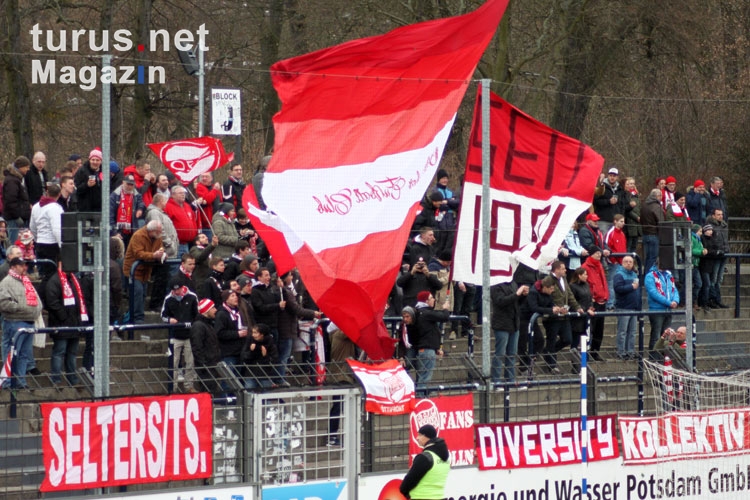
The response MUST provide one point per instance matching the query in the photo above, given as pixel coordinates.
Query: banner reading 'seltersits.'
(540, 181)
(126, 441)
(545, 443)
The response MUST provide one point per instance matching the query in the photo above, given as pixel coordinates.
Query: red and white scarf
(235, 315)
(68, 297)
(184, 271)
(31, 297)
(125, 212)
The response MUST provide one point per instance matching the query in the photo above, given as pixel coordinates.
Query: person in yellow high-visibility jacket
(429, 472)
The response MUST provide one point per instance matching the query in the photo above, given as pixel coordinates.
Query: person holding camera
(417, 279)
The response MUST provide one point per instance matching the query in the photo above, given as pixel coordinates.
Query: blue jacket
(626, 297)
(661, 289)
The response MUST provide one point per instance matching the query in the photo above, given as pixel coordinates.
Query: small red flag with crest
(189, 158)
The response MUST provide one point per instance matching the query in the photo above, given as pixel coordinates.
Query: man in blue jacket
(627, 297)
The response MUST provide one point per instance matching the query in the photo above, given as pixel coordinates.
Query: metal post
(201, 96)
(643, 352)
(486, 330)
(101, 259)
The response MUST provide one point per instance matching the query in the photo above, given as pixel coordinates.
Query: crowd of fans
(202, 267)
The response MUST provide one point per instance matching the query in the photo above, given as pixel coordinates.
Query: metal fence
(280, 436)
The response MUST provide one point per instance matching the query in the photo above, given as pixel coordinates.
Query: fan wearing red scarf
(20, 306)
(66, 304)
(126, 210)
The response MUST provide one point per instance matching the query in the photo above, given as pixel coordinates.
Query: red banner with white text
(126, 441)
(540, 181)
(544, 443)
(683, 435)
(453, 417)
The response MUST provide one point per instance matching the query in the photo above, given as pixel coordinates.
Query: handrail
(131, 287)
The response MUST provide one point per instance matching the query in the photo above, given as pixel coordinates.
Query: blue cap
(114, 167)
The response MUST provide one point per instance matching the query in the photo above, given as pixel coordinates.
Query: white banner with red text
(544, 443)
(726, 479)
(687, 434)
(453, 417)
(389, 389)
(126, 441)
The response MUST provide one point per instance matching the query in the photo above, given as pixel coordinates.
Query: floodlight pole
(201, 91)
(486, 304)
(101, 258)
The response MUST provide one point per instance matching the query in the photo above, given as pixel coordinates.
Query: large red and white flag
(540, 181)
(189, 158)
(388, 388)
(358, 139)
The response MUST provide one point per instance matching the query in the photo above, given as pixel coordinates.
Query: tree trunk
(19, 103)
(578, 58)
(142, 110)
(270, 33)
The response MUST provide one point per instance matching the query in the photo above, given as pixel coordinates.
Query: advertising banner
(453, 417)
(689, 434)
(544, 443)
(126, 441)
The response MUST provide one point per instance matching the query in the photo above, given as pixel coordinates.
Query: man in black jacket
(429, 471)
(267, 302)
(66, 305)
(36, 178)
(181, 306)
(506, 322)
(429, 344)
(205, 345)
(16, 206)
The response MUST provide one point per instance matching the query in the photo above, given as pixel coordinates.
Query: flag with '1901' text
(359, 137)
(540, 181)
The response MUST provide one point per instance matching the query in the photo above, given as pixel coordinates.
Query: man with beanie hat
(88, 180)
(429, 471)
(406, 353)
(205, 345)
(223, 227)
(697, 202)
(441, 186)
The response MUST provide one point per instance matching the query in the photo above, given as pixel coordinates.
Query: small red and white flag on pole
(358, 139)
(5, 373)
(389, 389)
(189, 158)
(540, 181)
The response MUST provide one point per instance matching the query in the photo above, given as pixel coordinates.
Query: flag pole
(486, 330)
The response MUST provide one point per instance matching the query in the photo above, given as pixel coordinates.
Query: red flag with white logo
(389, 389)
(189, 158)
(540, 181)
(358, 139)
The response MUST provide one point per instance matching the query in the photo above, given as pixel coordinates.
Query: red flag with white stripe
(7, 364)
(540, 181)
(389, 389)
(189, 158)
(358, 139)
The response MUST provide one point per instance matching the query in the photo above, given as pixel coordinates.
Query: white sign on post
(225, 111)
